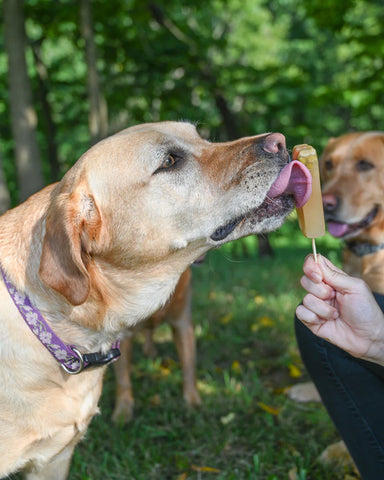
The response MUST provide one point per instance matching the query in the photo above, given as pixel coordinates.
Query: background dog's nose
(330, 202)
(274, 143)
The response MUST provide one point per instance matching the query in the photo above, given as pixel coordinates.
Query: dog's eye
(328, 164)
(168, 162)
(364, 165)
(171, 161)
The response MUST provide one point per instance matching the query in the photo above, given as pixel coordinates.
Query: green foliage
(309, 69)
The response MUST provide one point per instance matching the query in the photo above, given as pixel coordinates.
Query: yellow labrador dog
(85, 260)
(352, 168)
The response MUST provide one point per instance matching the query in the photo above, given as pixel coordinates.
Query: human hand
(342, 310)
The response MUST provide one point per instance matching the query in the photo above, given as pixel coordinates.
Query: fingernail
(320, 259)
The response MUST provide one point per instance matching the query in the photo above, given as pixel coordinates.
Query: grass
(247, 428)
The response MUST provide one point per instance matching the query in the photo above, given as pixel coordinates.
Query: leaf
(272, 410)
(205, 469)
(266, 322)
(227, 318)
(164, 371)
(228, 418)
(247, 351)
(205, 387)
(294, 371)
(183, 476)
(259, 300)
(292, 474)
(236, 367)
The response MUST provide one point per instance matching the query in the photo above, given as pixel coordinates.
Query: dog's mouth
(347, 230)
(293, 186)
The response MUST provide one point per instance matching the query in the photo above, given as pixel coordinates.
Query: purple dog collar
(69, 357)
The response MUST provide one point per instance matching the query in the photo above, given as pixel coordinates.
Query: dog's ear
(73, 224)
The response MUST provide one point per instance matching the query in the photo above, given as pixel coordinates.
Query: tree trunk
(23, 115)
(98, 115)
(5, 201)
(47, 117)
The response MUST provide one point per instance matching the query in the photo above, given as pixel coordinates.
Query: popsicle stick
(314, 249)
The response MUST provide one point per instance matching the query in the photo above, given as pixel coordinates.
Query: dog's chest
(369, 267)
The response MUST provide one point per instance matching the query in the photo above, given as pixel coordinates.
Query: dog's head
(352, 172)
(159, 195)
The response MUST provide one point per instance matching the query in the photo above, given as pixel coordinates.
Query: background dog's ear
(73, 222)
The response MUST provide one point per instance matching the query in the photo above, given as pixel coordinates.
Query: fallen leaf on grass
(263, 322)
(227, 418)
(272, 410)
(294, 371)
(292, 474)
(205, 387)
(281, 390)
(236, 367)
(204, 469)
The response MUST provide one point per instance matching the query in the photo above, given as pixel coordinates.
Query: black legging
(352, 391)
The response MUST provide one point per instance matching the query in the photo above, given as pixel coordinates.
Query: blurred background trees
(310, 69)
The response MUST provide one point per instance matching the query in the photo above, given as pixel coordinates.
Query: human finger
(308, 316)
(319, 289)
(321, 308)
(312, 269)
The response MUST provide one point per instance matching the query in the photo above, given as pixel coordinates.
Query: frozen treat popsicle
(311, 215)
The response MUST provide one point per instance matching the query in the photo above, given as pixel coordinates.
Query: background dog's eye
(364, 165)
(328, 164)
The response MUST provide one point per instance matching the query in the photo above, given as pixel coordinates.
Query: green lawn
(246, 428)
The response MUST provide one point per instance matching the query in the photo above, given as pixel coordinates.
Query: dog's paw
(192, 398)
(123, 412)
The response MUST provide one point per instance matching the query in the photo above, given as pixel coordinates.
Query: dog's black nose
(274, 143)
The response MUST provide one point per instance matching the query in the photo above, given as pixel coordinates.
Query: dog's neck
(117, 302)
(361, 249)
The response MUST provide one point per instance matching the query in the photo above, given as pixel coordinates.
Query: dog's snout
(330, 202)
(274, 143)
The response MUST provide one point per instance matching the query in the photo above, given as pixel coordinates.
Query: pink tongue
(337, 229)
(294, 179)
